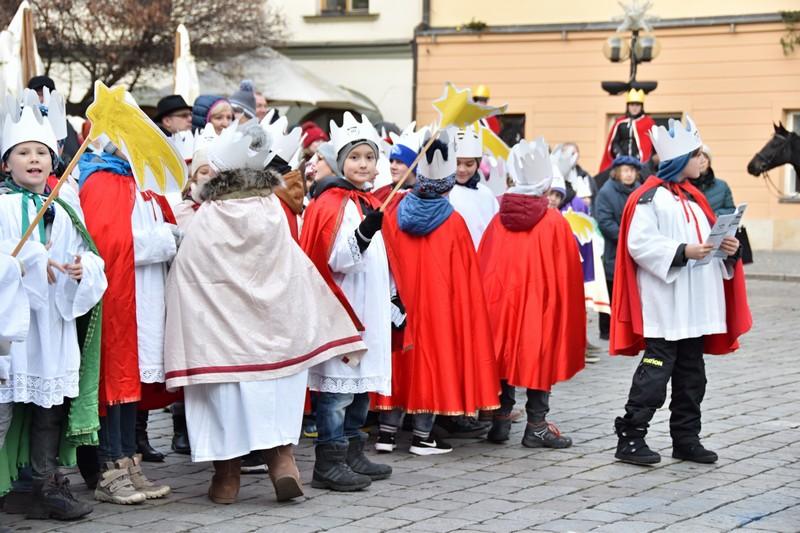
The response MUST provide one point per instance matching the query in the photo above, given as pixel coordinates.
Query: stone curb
(794, 278)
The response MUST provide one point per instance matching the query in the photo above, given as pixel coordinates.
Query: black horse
(782, 148)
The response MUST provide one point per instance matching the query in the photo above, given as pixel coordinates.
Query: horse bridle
(771, 187)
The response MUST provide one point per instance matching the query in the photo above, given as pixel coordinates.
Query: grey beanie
(326, 152)
(245, 98)
(347, 148)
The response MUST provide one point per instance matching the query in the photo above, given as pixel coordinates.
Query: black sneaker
(694, 452)
(501, 427)
(634, 450)
(386, 442)
(461, 427)
(429, 446)
(545, 436)
(253, 463)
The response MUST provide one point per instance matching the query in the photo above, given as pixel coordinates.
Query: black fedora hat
(170, 104)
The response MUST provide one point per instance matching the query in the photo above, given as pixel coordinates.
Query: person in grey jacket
(717, 192)
(608, 206)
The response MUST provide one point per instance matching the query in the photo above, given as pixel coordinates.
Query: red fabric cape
(291, 218)
(534, 293)
(643, 125)
(321, 222)
(447, 365)
(107, 201)
(626, 306)
(382, 193)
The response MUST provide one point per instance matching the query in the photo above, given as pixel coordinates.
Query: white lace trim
(355, 251)
(44, 392)
(152, 375)
(381, 384)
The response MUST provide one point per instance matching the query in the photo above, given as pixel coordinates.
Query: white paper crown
(565, 158)
(468, 143)
(26, 124)
(55, 106)
(676, 141)
(439, 168)
(530, 166)
(352, 130)
(231, 150)
(284, 145)
(408, 137)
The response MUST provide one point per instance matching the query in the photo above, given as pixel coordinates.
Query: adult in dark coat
(608, 208)
(717, 192)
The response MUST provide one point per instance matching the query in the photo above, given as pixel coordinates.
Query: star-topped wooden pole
(456, 108)
(127, 127)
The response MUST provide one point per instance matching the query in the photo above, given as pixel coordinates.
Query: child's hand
(729, 245)
(697, 251)
(51, 275)
(74, 270)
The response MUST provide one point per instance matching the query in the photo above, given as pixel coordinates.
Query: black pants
(682, 361)
(604, 319)
(45, 435)
(537, 406)
(117, 433)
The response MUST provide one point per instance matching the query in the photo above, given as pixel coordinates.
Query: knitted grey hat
(245, 98)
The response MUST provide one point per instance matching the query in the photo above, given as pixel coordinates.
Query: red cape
(382, 193)
(291, 218)
(321, 222)
(643, 141)
(534, 293)
(626, 306)
(107, 201)
(447, 365)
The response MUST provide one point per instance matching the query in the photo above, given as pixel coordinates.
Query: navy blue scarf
(420, 216)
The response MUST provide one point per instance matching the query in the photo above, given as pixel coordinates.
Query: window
(792, 183)
(344, 7)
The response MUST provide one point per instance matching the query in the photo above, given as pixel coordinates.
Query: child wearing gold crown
(669, 305)
(46, 367)
(341, 234)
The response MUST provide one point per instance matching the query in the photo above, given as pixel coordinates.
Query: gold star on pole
(130, 128)
(456, 107)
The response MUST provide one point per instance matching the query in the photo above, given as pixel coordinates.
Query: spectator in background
(717, 192)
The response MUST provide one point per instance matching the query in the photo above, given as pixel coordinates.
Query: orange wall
(734, 84)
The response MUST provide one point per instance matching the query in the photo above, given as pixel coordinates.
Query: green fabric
(83, 420)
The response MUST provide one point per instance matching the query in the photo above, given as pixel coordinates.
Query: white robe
(153, 246)
(476, 206)
(228, 420)
(677, 302)
(44, 368)
(364, 279)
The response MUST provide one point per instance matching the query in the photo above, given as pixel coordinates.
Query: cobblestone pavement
(750, 414)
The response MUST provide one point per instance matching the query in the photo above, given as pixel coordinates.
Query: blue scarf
(670, 170)
(91, 163)
(420, 216)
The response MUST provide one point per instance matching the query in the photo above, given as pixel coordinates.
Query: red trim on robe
(626, 307)
(534, 294)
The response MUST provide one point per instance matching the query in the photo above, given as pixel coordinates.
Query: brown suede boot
(225, 483)
(283, 472)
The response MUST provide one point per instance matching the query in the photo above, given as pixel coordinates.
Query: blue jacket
(717, 193)
(608, 206)
(200, 110)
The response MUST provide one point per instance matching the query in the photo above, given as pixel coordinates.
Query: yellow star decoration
(583, 226)
(126, 124)
(493, 143)
(456, 107)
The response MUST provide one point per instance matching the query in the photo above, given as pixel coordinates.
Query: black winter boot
(331, 470)
(180, 435)
(53, 499)
(631, 447)
(501, 427)
(360, 463)
(694, 452)
(149, 454)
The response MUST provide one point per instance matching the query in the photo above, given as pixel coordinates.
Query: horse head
(776, 152)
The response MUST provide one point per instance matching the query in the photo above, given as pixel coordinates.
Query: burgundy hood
(521, 212)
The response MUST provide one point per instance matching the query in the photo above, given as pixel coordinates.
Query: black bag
(744, 241)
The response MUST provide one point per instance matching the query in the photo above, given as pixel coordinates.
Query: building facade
(720, 62)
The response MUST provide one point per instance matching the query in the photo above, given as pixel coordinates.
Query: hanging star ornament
(457, 108)
(155, 162)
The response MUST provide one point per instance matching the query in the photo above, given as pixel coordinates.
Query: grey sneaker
(141, 483)
(115, 486)
(546, 435)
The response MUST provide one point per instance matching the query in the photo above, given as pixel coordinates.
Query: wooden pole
(175, 56)
(27, 55)
(52, 196)
(411, 168)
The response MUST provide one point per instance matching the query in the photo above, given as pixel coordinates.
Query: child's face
(202, 175)
(704, 162)
(692, 168)
(398, 168)
(467, 166)
(222, 117)
(360, 166)
(29, 164)
(554, 199)
(627, 175)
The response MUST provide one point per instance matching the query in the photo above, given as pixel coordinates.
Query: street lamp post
(643, 47)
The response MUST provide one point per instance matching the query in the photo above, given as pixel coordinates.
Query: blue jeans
(421, 422)
(117, 433)
(341, 416)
